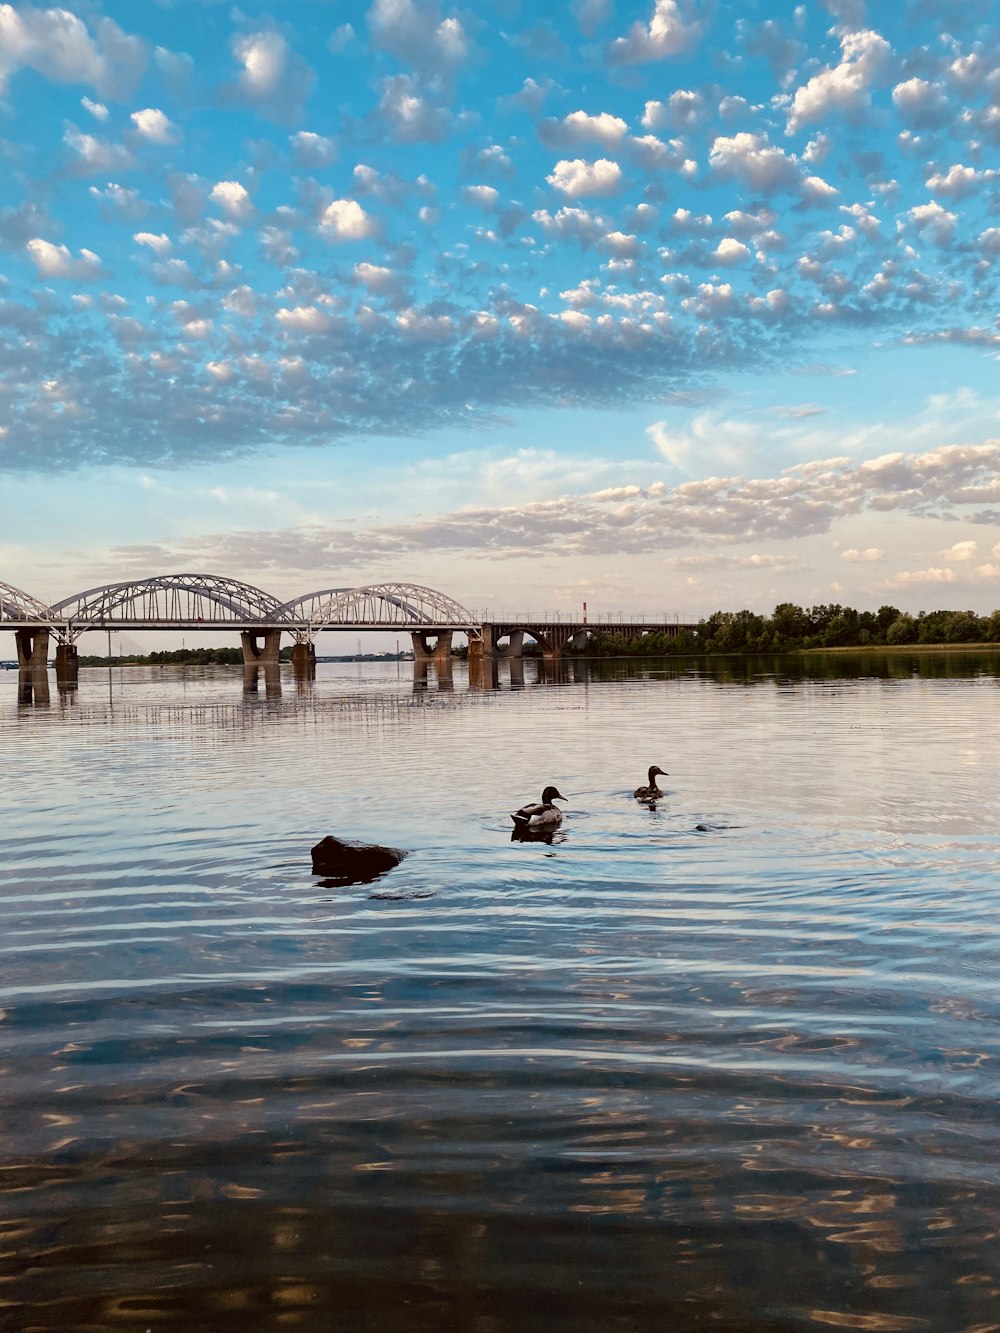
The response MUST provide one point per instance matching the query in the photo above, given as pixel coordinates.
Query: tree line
(791, 627)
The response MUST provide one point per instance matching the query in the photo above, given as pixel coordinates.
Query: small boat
(652, 791)
(541, 815)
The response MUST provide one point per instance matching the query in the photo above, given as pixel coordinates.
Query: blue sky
(666, 305)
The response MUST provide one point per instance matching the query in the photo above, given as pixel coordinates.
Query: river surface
(730, 1062)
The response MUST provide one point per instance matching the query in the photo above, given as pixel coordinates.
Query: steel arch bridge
(19, 607)
(171, 601)
(407, 606)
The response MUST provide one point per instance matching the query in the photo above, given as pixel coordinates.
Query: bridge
(190, 603)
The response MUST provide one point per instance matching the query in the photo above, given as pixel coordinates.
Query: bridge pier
(67, 663)
(555, 639)
(260, 647)
(422, 652)
(304, 661)
(32, 648)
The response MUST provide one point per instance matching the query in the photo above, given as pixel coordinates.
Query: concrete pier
(32, 648)
(304, 661)
(260, 647)
(67, 663)
(423, 652)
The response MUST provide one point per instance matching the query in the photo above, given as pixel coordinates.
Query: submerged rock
(353, 862)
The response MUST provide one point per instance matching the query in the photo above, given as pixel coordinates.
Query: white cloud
(273, 79)
(926, 577)
(577, 178)
(957, 181)
(232, 198)
(97, 109)
(579, 127)
(730, 251)
(56, 261)
(95, 155)
(682, 110)
(160, 244)
(264, 57)
(155, 126)
(417, 35)
(304, 319)
(671, 30)
(844, 88)
(482, 196)
(312, 150)
(921, 103)
(750, 158)
(870, 555)
(412, 117)
(57, 44)
(345, 220)
(935, 222)
(961, 551)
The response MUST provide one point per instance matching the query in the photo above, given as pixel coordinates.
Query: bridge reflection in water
(191, 603)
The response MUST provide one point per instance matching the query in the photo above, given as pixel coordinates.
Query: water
(727, 1063)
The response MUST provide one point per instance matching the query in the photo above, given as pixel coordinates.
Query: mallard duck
(543, 815)
(652, 792)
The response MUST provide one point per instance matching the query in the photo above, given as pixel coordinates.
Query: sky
(670, 306)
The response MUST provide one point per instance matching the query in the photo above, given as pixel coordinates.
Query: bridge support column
(422, 652)
(516, 645)
(304, 661)
(260, 647)
(67, 663)
(485, 647)
(32, 648)
(556, 639)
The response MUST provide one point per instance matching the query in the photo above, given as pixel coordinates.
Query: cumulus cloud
(870, 555)
(159, 243)
(232, 198)
(418, 35)
(95, 156)
(920, 103)
(577, 178)
(155, 126)
(56, 261)
(672, 29)
(312, 150)
(730, 251)
(345, 220)
(580, 127)
(273, 79)
(935, 222)
(410, 116)
(58, 45)
(751, 159)
(844, 88)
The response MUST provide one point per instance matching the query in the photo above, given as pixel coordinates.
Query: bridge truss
(171, 601)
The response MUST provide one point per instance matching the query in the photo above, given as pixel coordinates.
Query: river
(730, 1061)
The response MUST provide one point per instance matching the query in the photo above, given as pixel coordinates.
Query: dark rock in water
(353, 862)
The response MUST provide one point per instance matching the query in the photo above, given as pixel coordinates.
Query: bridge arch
(169, 598)
(382, 606)
(16, 604)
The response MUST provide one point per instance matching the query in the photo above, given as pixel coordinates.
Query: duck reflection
(522, 833)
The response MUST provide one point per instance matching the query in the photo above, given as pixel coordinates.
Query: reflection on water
(727, 1059)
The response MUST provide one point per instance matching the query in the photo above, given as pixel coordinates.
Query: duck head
(551, 794)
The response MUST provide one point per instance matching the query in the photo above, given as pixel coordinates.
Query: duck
(652, 792)
(541, 815)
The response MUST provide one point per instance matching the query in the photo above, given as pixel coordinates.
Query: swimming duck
(652, 792)
(543, 815)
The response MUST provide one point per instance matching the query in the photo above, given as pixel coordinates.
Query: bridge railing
(592, 618)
